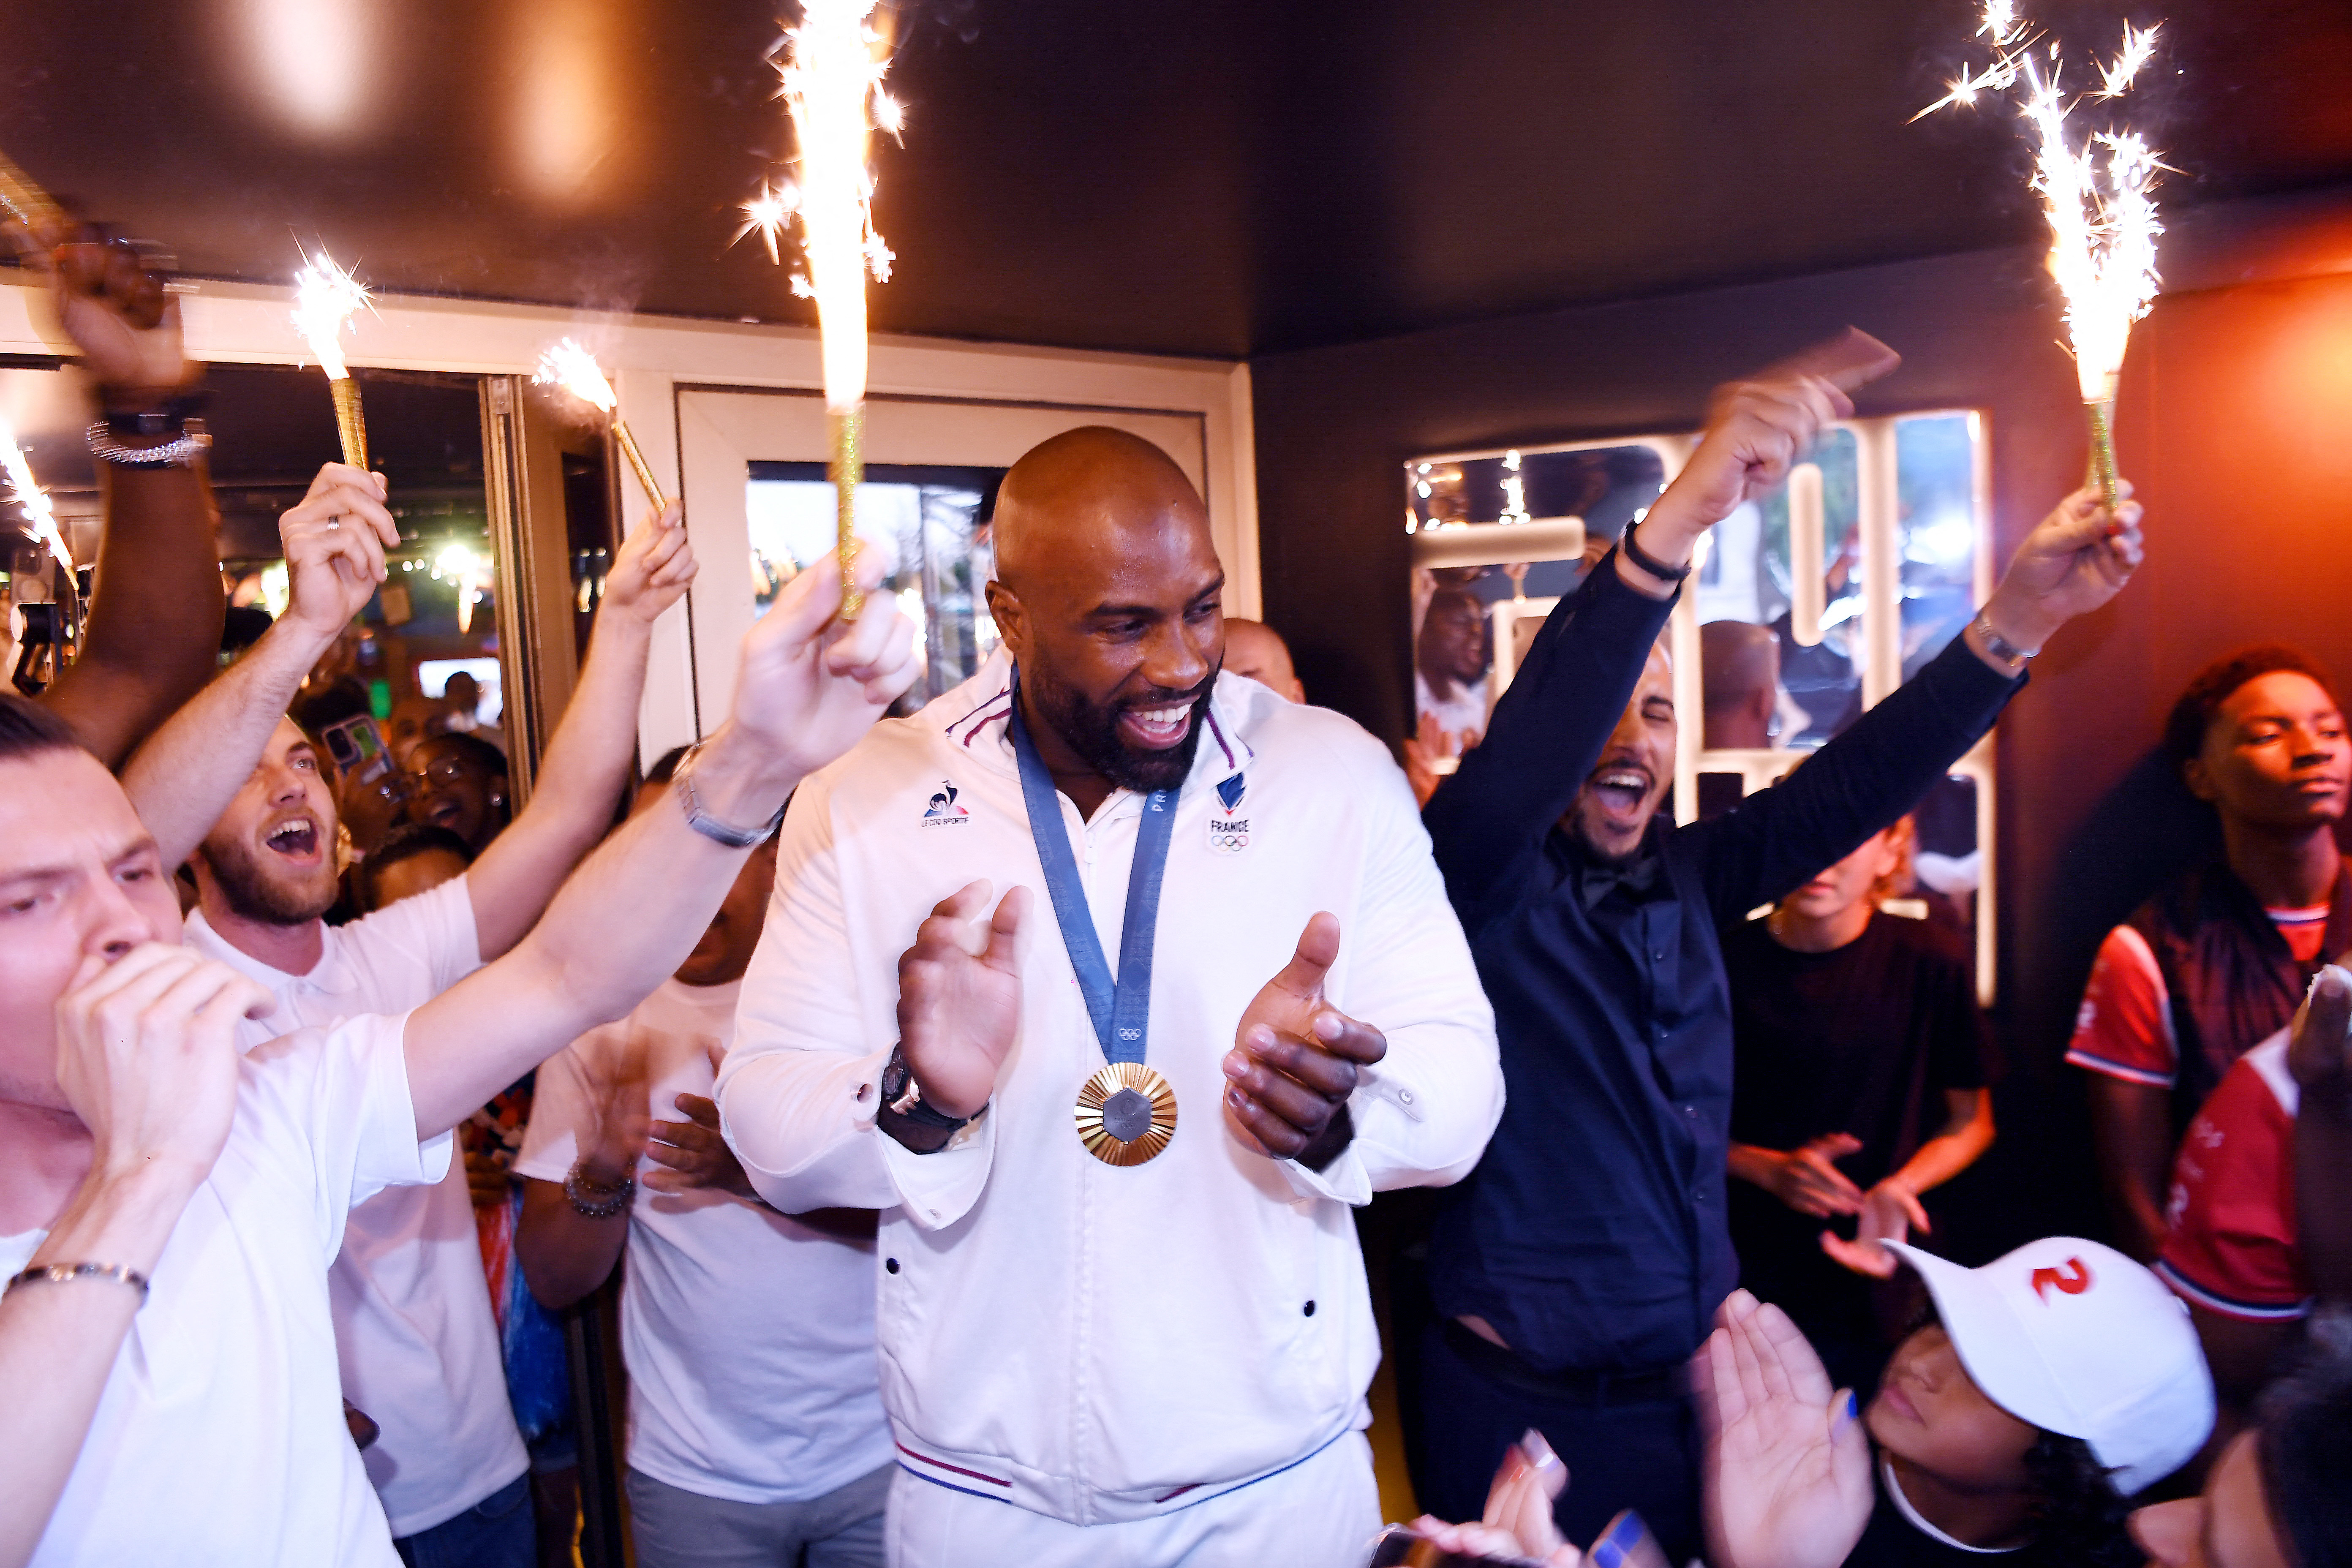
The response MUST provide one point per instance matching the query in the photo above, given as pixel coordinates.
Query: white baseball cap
(2079, 1340)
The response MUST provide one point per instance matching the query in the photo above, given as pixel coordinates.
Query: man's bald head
(1739, 683)
(1255, 649)
(1089, 491)
(1107, 594)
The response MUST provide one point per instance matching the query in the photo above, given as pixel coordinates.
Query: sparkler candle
(832, 86)
(324, 297)
(2102, 223)
(574, 369)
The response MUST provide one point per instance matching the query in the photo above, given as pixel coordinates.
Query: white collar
(1894, 1490)
(972, 720)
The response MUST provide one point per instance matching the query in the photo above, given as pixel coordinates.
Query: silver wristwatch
(2000, 648)
(709, 826)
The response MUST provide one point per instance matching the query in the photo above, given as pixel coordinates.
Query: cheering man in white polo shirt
(168, 1385)
(1121, 1289)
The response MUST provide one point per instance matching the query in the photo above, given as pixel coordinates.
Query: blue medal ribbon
(1122, 1010)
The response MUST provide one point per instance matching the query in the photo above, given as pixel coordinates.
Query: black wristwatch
(167, 418)
(902, 1096)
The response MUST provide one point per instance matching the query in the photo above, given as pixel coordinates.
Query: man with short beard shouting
(235, 786)
(1120, 1290)
(1581, 1264)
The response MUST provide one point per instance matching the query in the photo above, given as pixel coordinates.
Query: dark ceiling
(1219, 178)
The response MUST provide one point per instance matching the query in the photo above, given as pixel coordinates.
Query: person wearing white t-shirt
(168, 1388)
(236, 787)
(756, 1434)
(1120, 1288)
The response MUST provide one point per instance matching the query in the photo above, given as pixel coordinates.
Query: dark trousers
(495, 1532)
(1641, 1454)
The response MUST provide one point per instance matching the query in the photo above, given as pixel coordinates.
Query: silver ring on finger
(334, 523)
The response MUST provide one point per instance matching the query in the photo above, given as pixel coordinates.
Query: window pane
(1747, 578)
(928, 525)
(1938, 531)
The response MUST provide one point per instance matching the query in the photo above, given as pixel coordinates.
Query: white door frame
(651, 358)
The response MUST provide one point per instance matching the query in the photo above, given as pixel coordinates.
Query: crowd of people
(946, 1235)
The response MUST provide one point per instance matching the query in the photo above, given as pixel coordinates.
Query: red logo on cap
(2073, 1280)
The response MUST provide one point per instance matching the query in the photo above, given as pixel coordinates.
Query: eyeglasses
(440, 770)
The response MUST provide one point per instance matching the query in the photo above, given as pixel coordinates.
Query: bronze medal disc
(1126, 1114)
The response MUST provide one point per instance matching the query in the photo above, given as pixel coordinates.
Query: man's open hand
(1889, 1211)
(1296, 1059)
(960, 996)
(692, 1155)
(1788, 1467)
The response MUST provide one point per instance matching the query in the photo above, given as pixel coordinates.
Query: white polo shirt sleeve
(342, 1094)
(802, 1081)
(1423, 1112)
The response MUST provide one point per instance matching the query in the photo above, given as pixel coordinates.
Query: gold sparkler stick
(832, 87)
(325, 296)
(576, 370)
(846, 427)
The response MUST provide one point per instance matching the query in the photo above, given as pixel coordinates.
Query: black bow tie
(1596, 879)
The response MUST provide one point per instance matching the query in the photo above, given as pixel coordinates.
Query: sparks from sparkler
(571, 367)
(766, 215)
(2139, 43)
(576, 370)
(831, 81)
(2103, 222)
(18, 471)
(325, 299)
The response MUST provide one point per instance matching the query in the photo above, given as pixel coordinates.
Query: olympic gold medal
(1126, 1114)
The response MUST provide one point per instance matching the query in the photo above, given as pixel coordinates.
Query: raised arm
(2319, 1054)
(187, 773)
(805, 692)
(2074, 561)
(155, 618)
(587, 767)
(1549, 729)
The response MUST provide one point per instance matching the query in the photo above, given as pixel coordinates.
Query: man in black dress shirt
(1578, 1268)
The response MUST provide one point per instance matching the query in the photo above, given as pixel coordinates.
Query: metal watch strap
(1647, 562)
(709, 826)
(169, 417)
(183, 452)
(2000, 647)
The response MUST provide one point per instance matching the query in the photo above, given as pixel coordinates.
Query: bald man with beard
(1116, 1118)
